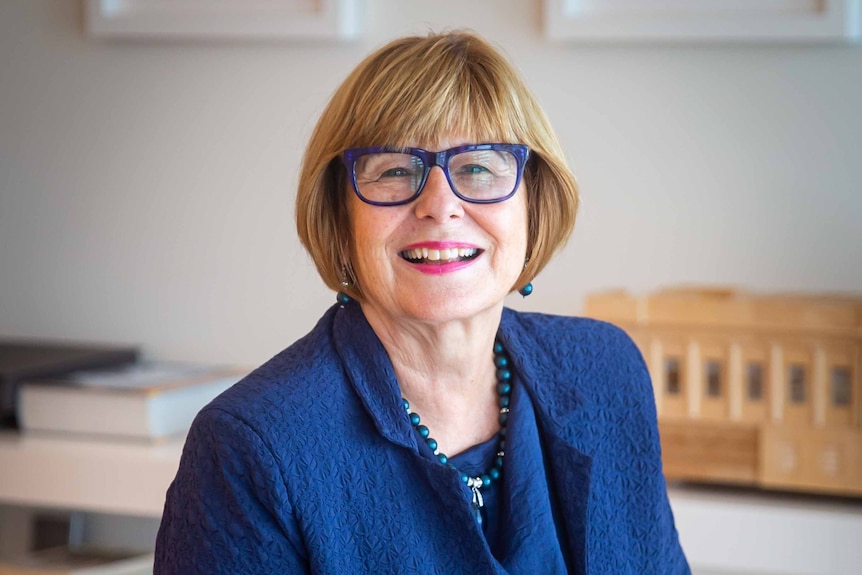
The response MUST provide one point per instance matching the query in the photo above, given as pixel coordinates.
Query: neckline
(493, 474)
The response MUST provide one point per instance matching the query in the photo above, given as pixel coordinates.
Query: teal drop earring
(527, 289)
(341, 297)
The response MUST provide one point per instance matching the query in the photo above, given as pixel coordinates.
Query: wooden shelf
(86, 475)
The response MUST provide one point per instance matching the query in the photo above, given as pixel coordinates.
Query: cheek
(373, 230)
(516, 232)
(362, 225)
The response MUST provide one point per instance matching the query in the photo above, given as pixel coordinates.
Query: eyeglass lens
(390, 177)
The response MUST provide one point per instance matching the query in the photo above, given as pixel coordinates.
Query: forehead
(450, 141)
(434, 122)
(436, 136)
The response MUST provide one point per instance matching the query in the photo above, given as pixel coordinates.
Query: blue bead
(526, 290)
(504, 388)
(342, 298)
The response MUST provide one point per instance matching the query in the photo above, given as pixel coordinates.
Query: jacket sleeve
(227, 511)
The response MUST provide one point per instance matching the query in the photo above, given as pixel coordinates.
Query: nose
(437, 200)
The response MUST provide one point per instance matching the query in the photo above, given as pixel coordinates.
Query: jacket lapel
(569, 477)
(556, 403)
(369, 370)
(542, 517)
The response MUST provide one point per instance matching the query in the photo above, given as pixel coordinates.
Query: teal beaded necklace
(504, 390)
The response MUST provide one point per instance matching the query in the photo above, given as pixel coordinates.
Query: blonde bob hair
(417, 89)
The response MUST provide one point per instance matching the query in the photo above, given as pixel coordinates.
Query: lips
(439, 255)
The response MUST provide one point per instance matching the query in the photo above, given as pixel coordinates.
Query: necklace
(504, 390)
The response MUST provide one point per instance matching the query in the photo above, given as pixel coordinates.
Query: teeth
(446, 254)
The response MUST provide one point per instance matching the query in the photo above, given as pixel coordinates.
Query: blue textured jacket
(310, 465)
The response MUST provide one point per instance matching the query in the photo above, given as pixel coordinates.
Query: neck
(446, 371)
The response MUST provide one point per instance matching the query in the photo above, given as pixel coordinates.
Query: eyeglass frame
(349, 156)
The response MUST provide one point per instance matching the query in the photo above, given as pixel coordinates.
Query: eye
(396, 173)
(474, 169)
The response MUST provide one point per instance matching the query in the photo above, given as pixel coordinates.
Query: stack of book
(27, 359)
(63, 561)
(93, 394)
(103, 391)
(142, 401)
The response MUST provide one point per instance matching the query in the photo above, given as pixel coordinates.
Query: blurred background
(147, 186)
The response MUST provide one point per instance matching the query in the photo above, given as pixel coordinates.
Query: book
(22, 359)
(146, 401)
(65, 561)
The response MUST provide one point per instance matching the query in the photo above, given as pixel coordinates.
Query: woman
(432, 187)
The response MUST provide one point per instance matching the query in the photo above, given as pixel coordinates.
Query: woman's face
(475, 251)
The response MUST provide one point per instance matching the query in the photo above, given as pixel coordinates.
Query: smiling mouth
(444, 256)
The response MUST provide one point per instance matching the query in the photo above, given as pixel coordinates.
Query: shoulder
(561, 337)
(578, 365)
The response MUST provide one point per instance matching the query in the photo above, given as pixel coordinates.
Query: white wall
(146, 189)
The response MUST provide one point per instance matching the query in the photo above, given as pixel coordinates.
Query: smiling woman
(432, 187)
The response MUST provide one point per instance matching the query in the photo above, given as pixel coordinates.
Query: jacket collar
(553, 395)
(367, 367)
(556, 396)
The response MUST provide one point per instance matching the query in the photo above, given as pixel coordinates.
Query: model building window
(671, 370)
(796, 377)
(713, 378)
(755, 381)
(840, 386)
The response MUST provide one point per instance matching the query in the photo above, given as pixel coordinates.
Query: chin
(447, 307)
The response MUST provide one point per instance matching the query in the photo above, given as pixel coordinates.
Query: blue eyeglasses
(477, 173)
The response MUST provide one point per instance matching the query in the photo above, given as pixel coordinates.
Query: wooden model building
(760, 390)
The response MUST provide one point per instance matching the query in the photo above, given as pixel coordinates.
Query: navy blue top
(475, 462)
(310, 465)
